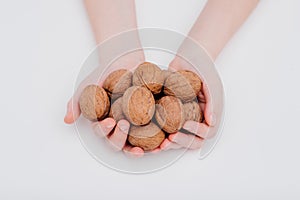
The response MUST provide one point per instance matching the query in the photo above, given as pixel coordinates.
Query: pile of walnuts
(156, 102)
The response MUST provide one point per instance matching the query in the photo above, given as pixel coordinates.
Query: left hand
(200, 130)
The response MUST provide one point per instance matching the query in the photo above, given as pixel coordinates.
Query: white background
(42, 46)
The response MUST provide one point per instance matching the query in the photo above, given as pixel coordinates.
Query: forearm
(218, 21)
(110, 17)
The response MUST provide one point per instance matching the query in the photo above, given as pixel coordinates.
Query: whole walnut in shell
(183, 84)
(192, 111)
(147, 137)
(116, 111)
(169, 114)
(148, 75)
(94, 103)
(138, 105)
(117, 82)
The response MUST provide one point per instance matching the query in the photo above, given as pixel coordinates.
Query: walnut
(116, 110)
(138, 105)
(183, 84)
(192, 112)
(147, 137)
(94, 103)
(169, 114)
(117, 82)
(148, 75)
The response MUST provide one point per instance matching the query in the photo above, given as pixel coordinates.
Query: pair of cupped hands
(116, 133)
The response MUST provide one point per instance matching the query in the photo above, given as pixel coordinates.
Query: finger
(156, 150)
(202, 106)
(104, 127)
(167, 145)
(209, 115)
(73, 111)
(133, 151)
(199, 129)
(119, 136)
(186, 140)
(201, 101)
(201, 97)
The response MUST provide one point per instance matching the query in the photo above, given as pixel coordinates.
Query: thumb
(209, 114)
(73, 111)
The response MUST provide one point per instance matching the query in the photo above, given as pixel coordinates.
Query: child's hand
(104, 128)
(200, 130)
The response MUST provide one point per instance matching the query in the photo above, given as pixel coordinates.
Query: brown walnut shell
(150, 76)
(117, 82)
(147, 137)
(169, 114)
(116, 111)
(183, 84)
(94, 103)
(138, 105)
(192, 111)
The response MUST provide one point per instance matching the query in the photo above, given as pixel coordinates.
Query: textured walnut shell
(148, 75)
(146, 137)
(117, 82)
(169, 114)
(94, 103)
(183, 84)
(192, 111)
(116, 110)
(138, 105)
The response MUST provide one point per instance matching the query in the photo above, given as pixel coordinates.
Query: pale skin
(214, 27)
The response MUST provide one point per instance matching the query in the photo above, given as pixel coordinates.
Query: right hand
(104, 128)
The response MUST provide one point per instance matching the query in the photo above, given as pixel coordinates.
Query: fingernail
(123, 127)
(110, 126)
(213, 119)
(106, 129)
